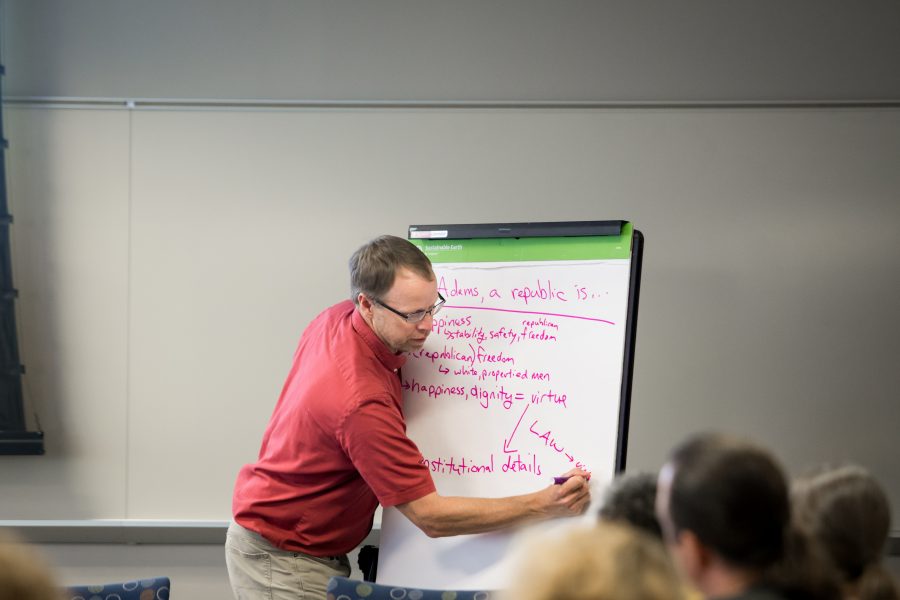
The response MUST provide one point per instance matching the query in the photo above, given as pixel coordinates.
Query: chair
(156, 588)
(342, 588)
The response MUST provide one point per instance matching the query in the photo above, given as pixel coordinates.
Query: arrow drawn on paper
(507, 441)
(443, 369)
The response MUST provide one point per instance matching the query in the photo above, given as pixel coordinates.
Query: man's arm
(440, 516)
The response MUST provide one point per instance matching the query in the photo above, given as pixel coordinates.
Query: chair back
(156, 588)
(352, 589)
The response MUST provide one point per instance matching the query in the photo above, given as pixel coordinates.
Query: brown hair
(847, 513)
(733, 496)
(611, 561)
(23, 575)
(373, 267)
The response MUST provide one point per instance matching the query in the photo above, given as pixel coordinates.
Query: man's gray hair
(373, 267)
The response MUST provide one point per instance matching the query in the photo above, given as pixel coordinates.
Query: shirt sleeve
(374, 438)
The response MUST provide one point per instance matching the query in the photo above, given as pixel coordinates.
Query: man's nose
(426, 323)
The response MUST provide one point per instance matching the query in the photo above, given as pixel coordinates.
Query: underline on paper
(532, 312)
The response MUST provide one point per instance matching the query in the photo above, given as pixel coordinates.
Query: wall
(176, 271)
(518, 50)
(168, 258)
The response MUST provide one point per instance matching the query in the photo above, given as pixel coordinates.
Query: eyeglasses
(414, 317)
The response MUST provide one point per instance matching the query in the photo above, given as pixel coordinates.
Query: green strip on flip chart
(528, 248)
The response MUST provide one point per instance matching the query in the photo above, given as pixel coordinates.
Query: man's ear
(695, 556)
(365, 305)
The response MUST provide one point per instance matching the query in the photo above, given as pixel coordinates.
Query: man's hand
(569, 498)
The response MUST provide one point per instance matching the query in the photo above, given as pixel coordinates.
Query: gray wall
(521, 50)
(169, 255)
(169, 259)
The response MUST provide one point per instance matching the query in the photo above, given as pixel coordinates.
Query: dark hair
(847, 512)
(733, 496)
(803, 573)
(373, 267)
(631, 499)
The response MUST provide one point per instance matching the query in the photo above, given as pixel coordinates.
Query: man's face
(680, 545)
(663, 493)
(410, 293)
(670, 535)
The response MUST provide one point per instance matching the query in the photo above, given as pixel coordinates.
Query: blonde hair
(610, 561)
(23, 573)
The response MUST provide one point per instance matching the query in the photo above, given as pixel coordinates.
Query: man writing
(336, 443)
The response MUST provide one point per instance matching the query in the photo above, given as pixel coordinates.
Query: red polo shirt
(336, 444)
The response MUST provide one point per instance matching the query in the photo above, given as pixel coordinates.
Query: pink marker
(561, 480)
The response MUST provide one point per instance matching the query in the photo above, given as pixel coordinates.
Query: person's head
(23, 574)
(631, 499)
(394, 288)
(846, 511)
(612, 561)
(724, 510)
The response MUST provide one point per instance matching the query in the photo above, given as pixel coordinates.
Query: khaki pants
(260, 571)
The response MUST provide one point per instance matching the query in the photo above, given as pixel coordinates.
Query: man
(336, 443)
(724, 510)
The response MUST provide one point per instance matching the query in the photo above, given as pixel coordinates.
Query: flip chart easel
(527, 373)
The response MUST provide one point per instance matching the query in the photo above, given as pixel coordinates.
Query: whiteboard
(520, 381)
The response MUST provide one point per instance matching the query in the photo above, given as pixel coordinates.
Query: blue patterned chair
(139, 589)
(341, 588)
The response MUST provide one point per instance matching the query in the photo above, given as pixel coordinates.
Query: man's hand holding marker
(570, 494)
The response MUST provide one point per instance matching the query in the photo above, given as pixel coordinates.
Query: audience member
(611, 561)
(631, 499)
(724, 509)
(23, 575)
(847, 512)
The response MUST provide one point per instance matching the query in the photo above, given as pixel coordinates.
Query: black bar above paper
(516, 230)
